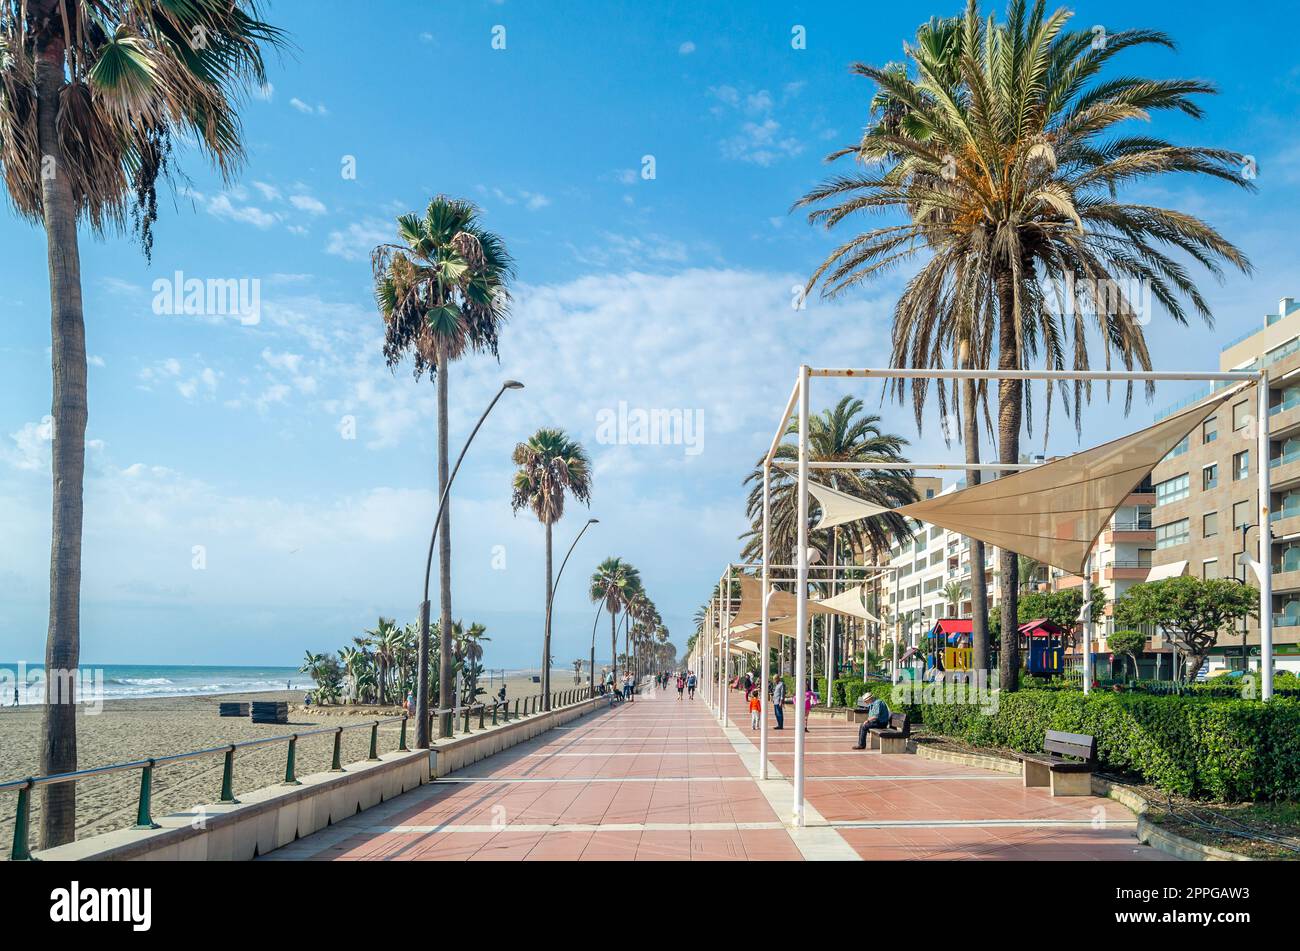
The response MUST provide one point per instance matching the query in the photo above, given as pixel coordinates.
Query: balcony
(1120, 570)
(1137, 531)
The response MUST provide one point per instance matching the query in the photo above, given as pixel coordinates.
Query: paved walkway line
(816, 840)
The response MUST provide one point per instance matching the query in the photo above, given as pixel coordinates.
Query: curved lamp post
(546, 660)
(422, 690)
(591, 667)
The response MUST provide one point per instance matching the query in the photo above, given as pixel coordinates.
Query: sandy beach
(134, 729)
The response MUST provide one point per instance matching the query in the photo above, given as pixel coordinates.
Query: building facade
(1207, 495)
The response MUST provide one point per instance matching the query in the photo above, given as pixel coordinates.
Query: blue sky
(672, 292)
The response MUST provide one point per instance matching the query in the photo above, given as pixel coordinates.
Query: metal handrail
(21, 849)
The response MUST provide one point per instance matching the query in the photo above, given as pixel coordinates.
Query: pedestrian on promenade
(755, 709)
(778, 702)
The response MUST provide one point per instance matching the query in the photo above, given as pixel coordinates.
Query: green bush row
(1226, 749)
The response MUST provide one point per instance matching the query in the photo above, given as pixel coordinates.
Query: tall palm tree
(551, 466)
(443, 292)
(474, 637)
(92, 94)
(1008, 179)
(842, 434)
(954, 592)
(383, 639)
(613, 583)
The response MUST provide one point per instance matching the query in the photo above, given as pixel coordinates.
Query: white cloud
(222, 207)
(358, 239)
(265, 92)
(761, 139)
(307, 108)
(686, 49)
(313, 206)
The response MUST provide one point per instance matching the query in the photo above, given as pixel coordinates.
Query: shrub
(1197, 746)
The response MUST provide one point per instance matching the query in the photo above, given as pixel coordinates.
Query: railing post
(290, 776)
(516, 708)
(482, 710)
(337, 765)
(143, 819)
(228, 777)
(20, 851)
(401, 743)
(494, 712)
(374, 741)
(466, 720)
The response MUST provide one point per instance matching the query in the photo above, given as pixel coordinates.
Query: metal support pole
(1265, 545)
(726, 643)
(801, 602)
(1087, 626)
(764, 650)
(898, 620)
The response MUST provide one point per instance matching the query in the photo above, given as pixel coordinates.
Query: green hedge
(1229, 750)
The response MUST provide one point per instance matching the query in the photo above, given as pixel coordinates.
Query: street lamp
(444, 670)
(546, 661)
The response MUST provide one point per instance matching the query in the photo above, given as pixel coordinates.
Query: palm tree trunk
(613, 645)
(1009, 411)
(546, 637)
(69, 412)
(978, 585)
(446, 688)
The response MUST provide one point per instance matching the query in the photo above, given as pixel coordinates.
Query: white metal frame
(798, 404)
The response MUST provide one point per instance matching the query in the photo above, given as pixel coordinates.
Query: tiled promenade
(661, 779)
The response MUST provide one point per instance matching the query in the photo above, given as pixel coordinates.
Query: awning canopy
(840, 507)
(1041, 627)
(1054, 513)
(1175, 569)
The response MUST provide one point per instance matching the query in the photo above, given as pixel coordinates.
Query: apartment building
(933, 560)
(1206, 490)
(1121, 558)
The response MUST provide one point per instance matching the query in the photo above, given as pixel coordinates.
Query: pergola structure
(1060, 520)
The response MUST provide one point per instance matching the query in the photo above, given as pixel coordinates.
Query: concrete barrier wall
(266, 819)
(451, 755)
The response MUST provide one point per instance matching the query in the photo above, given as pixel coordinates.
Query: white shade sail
(840, 507)
(852, 602)
(1054, 513)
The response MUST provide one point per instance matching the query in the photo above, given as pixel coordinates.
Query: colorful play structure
(947, 646)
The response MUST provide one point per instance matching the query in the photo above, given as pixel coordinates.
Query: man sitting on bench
(877, 716)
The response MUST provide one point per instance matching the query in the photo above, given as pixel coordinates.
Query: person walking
(755, 709)
(778, 702)
(690, 685)
(681, 685)
(809, 698)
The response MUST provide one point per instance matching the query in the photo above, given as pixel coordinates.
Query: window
(1209, 476)
(1240, 514)
(1241, 465)
(936, 532)
(919, 566)
(1210, 568)
(1209, 524)
(1180, 448)
(1172, 533)
(1172, 490)
(1240, 415)
(1210, 430)
(936, 556)
(929, 493)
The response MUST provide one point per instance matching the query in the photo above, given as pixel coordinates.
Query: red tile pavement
(931, 798)
(660, 780)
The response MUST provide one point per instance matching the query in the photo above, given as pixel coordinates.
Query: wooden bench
(1065, 766)
(892, 738)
